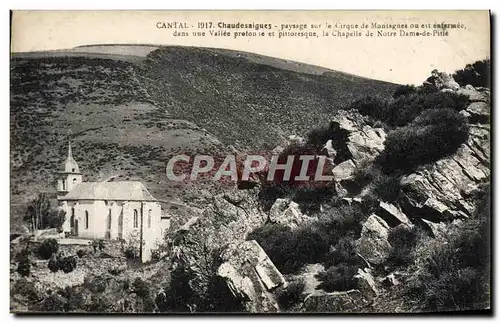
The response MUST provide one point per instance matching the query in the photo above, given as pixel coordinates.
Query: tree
(40, 215)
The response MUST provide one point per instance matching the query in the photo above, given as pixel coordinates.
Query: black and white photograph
(250, 162)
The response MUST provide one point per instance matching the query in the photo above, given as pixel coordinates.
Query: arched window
(136, 219)
(109, 219)
(63, 185)
(149, 218)
(86, 219)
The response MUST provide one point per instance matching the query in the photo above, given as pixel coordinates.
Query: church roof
(117, 191)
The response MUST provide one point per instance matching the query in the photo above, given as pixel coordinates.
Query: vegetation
(291, 295)
(48, 248)
(310, 243)
(338, 278)
(23, 267)
(40, 215)
(403, 240)
(433, 135)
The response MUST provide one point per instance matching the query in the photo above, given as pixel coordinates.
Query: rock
(354, 139)
(344, 170)
(390, 280)
(286, 212)
(465, 114)
(479, 112)
(392, 214)
(197, 250)
(373, 245)
(366, 144)
(295, 140)
(366, 283)
(250, 276)
(443, 80)
(336, 302)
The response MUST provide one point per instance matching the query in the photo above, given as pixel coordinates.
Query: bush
(67, 264)
(53, 264)
(456, 275)
(26, 289)
(290, 250)
(404, 90)
(344, 252)
(291, 295)
(81, 253)
(405, 108)
(403, 240)
(433, 135)
(48, 248)
(337, 278)
(477, 74)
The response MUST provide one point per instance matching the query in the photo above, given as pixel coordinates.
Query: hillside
(127, 114)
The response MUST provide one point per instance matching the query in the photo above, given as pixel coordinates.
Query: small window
(149, 218)
(72, 170)
(136, 219)
(63, 185)
(86, 219)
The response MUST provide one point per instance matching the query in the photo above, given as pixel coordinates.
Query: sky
(400, 59)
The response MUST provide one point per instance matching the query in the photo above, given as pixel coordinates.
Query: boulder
(366, 283)
(373, 244)
(250, 276)
(392, 214)
(436, 230)
(286, 212)
(332, 153)
(366, 144)
(475, 95)
(198, 249)
(336, 302)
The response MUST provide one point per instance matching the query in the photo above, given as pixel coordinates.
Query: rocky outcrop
(336, 302)
(251, 276)
(445, 190)
(373, 244)
(366, 283)
(227, 219)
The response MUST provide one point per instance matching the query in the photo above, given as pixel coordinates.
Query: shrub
(404, 90)
(456, 274)
(374, 107)
(53, 264)
(291, 249)
(291, 295)
(26, 289)
(344, 252)
(47, 248)
(431, 136)
(477, 74)
(337, 278)
(24, 265)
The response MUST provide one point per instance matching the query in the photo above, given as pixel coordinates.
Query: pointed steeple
(70, 155)
(70, 165)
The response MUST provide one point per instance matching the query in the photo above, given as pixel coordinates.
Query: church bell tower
(70, 176)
